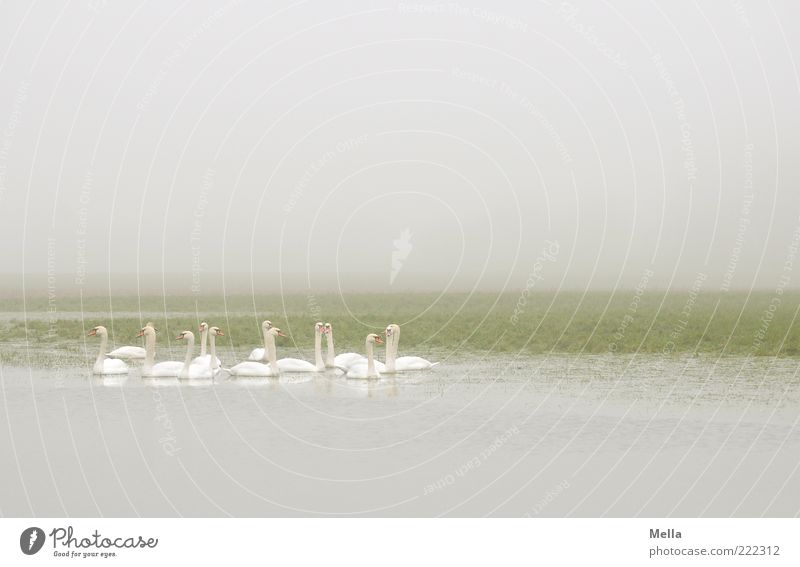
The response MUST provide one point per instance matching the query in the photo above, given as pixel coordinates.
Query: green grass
(567, 322)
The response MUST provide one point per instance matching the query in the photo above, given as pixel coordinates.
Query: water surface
(481, 435)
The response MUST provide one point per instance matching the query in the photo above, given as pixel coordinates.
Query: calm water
(548, 436)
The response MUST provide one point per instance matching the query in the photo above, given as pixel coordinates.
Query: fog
(396, 146)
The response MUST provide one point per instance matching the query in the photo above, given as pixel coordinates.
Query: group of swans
(262, 362)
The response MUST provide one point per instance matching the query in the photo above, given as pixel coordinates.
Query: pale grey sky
(401, 145)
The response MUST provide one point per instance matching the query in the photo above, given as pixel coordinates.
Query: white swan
(259, 369)
(213, 361)
(366, 370)
(166, 369)
(189, 370)
(103, 365)
(259, 354)
(347, 359)
(403, 363)
(128, 352)
(298, 365)
(204, 357)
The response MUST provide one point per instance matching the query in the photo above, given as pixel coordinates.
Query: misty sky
(401, 145)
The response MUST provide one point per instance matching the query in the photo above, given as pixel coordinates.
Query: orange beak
(140, 333)
(92, 333)
(280, 334)
(378, 341)
(179, 337)
(220, 334)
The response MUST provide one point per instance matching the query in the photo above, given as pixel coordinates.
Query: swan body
(404, 363)
(103, 365)
(251, 368)
(298, 365)
(257, 354)
(166, 369)
(128, 353)
(366, 370)
(347, 359)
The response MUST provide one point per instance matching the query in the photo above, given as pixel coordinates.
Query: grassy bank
(733, 324)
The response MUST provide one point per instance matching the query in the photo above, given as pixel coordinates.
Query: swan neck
(267, 337)
(213, 347)
(101, 354)
(188, 360)
(149, 350)
(203, 341)
(391, 349)
(370, 360)
(272, 352)
(331, 352)
(318, 350)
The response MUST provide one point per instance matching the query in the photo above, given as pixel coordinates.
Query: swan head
(391, 329)
(328, 328)
(275, 332)
(99, 330)
(203, 327)
(373, 338)
(147, 330)
(319, 327)
(216, 331)
(266, 326)
(188, 335)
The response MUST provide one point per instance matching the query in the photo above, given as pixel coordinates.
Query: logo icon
(402, 248)
(31, 540)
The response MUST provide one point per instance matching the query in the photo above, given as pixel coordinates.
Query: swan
(167, 369)
(129, 352)
(403, 363)
(298, 365)
(189, 370)
(347, 359)
(258, 354)
(213, 361)
(204, 357)
(103, 365)
(259, 369)
(366, 370)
